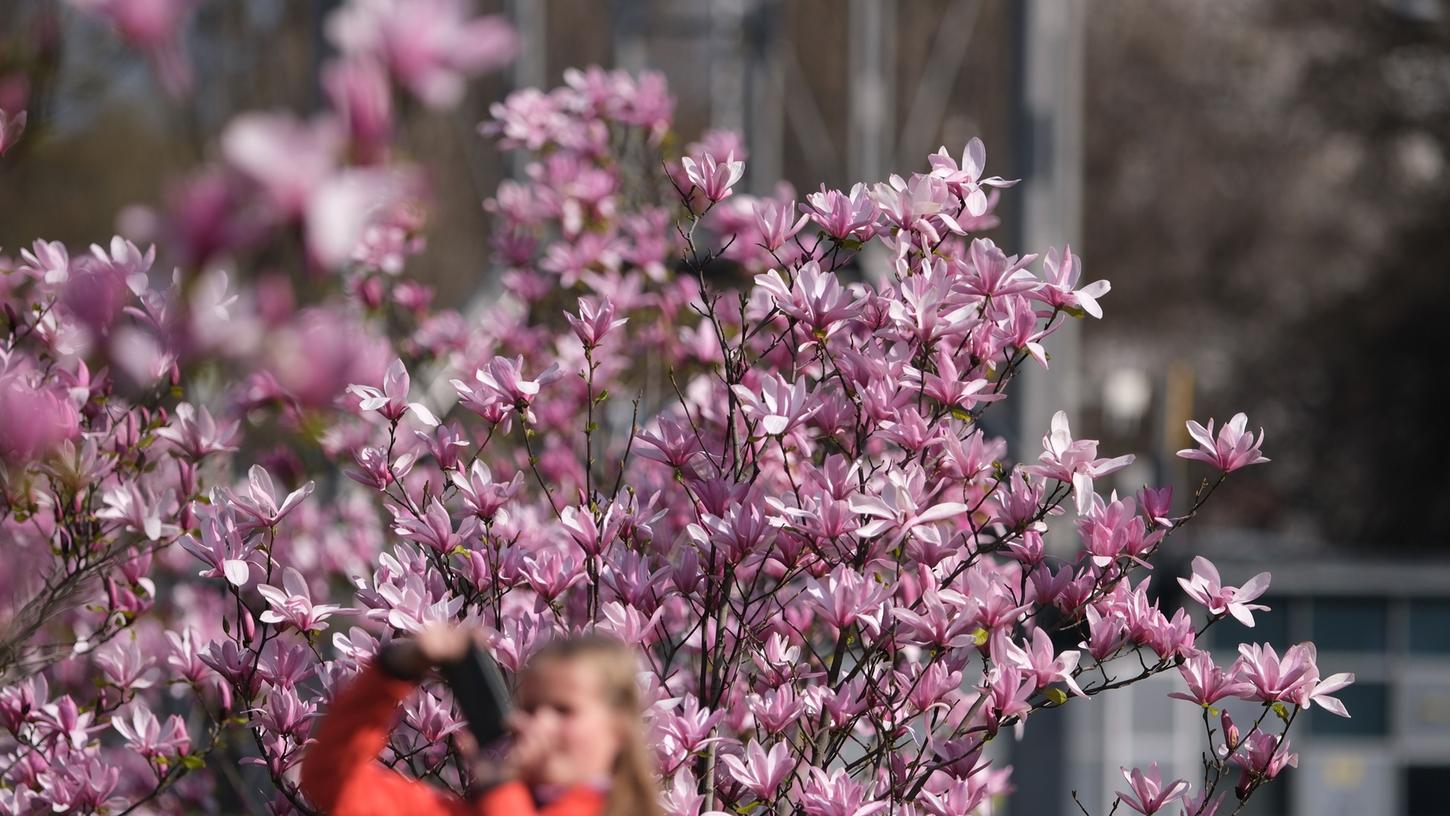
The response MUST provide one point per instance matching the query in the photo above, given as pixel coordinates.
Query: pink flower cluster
(683, 422)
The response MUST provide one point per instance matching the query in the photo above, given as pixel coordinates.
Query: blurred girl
(578, 748)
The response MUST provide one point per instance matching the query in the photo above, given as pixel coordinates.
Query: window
(1369, 712)
(1425, 790)
(1430, 627)
(1350, 624)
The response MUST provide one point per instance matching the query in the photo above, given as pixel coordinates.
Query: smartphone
(482, 695)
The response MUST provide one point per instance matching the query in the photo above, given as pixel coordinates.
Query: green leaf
(980, 637)
(1282, 711)
(1056, 695)
(193, 762)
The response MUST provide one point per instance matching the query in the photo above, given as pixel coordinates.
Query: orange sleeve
(513, 799)
(341, 774)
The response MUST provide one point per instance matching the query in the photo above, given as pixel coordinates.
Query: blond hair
(633, 790)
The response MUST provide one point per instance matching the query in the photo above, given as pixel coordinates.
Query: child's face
(567, 709)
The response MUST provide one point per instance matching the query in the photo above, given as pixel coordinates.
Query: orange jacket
(341, 776)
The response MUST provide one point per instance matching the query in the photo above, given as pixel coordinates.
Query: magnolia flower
(841, 216)
(1063, 457)
(502, 382)
(431, 46)
(195, 433)
(140, 511)
(814, 297)
(292, 604)
(1205, 587)
(1234, 448)
(714, 178)
(1039, 660)
(148, 737)
(1061, 271)
(434, 527)
(392, 399)
(761, 772)
(1207, 683)
(595, 320)
(779, 407)
(846, 597)
(1262, 755)
(1149, 795)
(903, 503)
(966, 178)
(481, 494)
(47, 261)
(1294, 678)
(259, 504)
(836, 794)
(774, 220)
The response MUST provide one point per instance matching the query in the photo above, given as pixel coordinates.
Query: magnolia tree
(684, 420)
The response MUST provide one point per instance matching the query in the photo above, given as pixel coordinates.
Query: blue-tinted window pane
(1430, 627)
(1350, 624)
(1369, 708)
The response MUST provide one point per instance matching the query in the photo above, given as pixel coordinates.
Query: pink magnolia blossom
(292, 604)
(434, 527)
(501, 381)
(779, 406)
(842, 216)
(762, 772)
(392, 399)
(1039, 660)
(965, 178)
(1207, 683)
(902, 504)
(1234, 448)
(846, 597)
(196, 433)
(1262, 756)
(1148, 793)
(145, 734)
(483, 496)
(290, 160)
(1205, 587)
(259, 505)
(1061, 271)
(595, 320)
(776, 226)
(814, 297)
(47, 261)
(714, 178)
(1294, 678)
(836, 794)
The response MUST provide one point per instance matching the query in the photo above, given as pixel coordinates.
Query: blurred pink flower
(11, 128)
(430, 46)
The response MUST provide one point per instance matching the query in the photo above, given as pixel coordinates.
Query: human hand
(433, 645)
